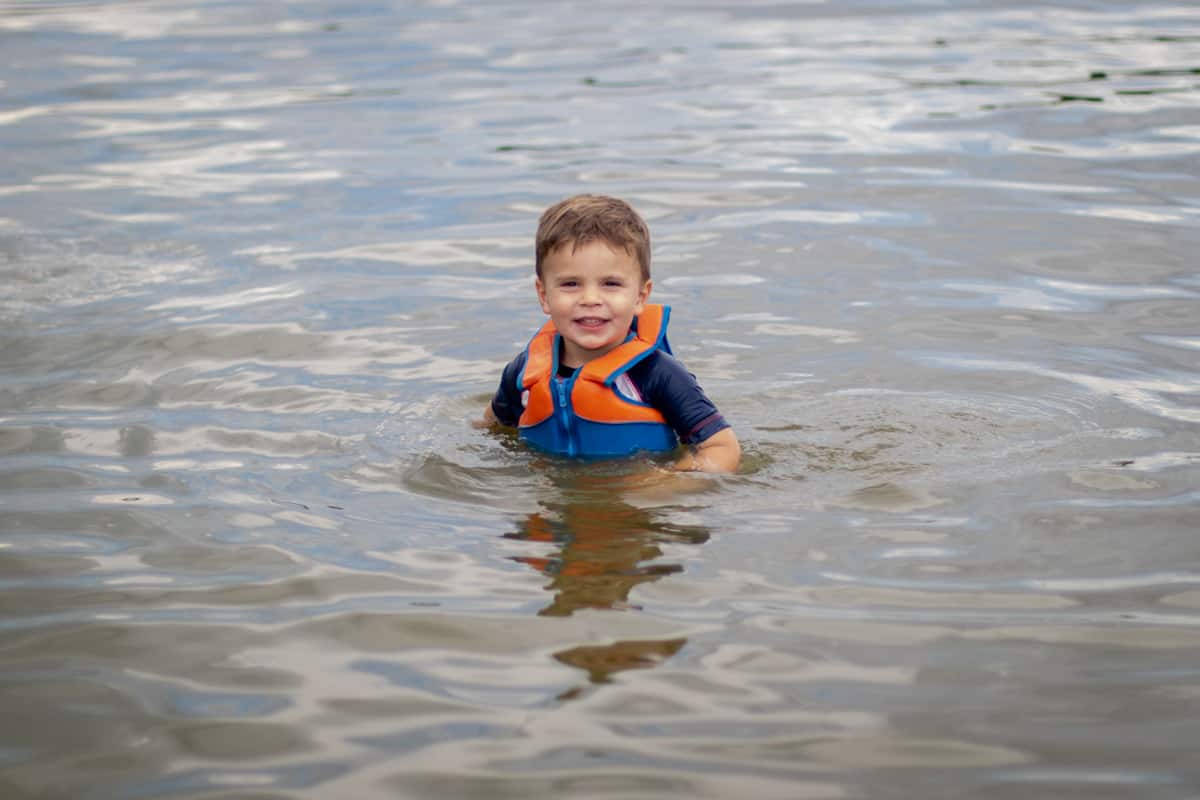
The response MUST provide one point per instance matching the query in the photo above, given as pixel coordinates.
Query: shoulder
(514, 368)
(658, 367)
(663, 380)
(518, 361)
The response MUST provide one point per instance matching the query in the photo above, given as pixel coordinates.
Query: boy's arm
(507, 399)
(720, 452)
(666, 385)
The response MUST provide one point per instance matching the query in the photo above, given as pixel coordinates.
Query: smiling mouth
(591, 322)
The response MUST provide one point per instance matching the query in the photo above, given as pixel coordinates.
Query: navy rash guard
(660, 378)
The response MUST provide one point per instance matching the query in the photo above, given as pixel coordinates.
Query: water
(935, 261)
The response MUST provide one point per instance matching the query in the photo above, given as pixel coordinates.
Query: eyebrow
(576, 276)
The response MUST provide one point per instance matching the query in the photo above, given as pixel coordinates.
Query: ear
(643, 296)
(541, 293)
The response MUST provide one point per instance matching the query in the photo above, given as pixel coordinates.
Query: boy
(598, 379)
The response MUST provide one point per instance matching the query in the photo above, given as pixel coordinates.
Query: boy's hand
(488, 419)
(720, 452)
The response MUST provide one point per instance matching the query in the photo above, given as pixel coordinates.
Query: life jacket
(585, 415)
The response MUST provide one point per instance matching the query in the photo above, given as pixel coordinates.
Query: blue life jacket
(584, 415)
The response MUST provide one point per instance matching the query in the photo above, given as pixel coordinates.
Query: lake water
(936, 262)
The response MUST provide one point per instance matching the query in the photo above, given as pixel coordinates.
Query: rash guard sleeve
(666, 384)
(506, 403)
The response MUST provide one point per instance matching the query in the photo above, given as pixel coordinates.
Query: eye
(568, 283)
(614, 282)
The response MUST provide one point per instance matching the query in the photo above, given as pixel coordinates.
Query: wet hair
(588, 218)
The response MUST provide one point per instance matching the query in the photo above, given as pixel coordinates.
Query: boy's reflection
(602, 546)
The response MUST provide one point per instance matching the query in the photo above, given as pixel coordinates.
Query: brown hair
(593, 217)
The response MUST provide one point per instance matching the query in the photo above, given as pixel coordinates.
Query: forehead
(595, 255)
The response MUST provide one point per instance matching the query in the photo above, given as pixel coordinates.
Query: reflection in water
(603, 548)
(601, 661)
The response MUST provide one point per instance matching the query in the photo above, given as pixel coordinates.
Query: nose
(591, 295)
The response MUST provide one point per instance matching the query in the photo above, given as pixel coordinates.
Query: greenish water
(261, 263)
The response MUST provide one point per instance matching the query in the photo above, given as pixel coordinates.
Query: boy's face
(592, 296)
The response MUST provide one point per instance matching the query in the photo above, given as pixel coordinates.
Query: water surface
(935, 262)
